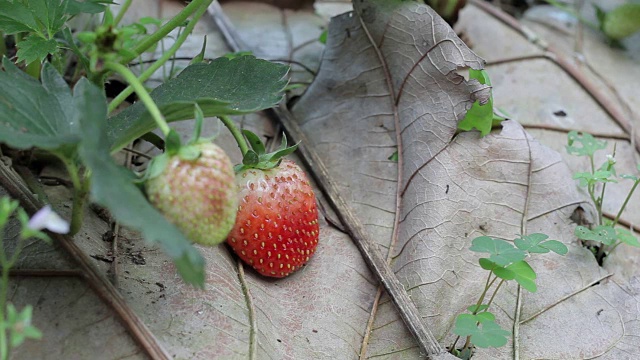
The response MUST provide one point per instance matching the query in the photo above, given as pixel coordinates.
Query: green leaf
(35, 114)
(250, 158)
(485, 316)
(189, 152)
(555, 246)
(31, 332)
(394, 156)
(35, 48)
(465, 325)
(502, 252)
(16, 17)
(148, 20)
(629, 177)
(71, 44)
(255, 142)
(530, 243)
(487, 264)
(627, 237)
(483, 334)
(490, 334)
(588, 144)
(587, 178)
(323, 37)
(600, 15)
(601, 233)
(20, 326)
(504, 273)
(524, 275)
(51, 14)
(156, 166)
(198, 115)
(172, 142)
(87, 6)
(622, 21)
(112, 188)
(224, 87)
(479, 116)
(477, 308)
(535, 243)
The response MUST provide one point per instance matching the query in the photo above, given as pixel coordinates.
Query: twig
(102, 287)
(624, 137)
(565, 298)
(136, 152)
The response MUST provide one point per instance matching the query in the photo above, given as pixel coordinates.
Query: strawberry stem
(242, 144)
(165, 29)
(163, 59)
(143, 94)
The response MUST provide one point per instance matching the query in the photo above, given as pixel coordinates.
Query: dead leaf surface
(387, 81)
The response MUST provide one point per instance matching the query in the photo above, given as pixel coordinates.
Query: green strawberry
(194, 189)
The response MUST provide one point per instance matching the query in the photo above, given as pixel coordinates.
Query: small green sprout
(506, 262)
(595, 181)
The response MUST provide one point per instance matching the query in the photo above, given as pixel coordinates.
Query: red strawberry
(276, 229)
(195, 190)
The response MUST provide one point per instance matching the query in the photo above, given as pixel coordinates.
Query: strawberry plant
(606, 232)
(505, 262)
(77, 124)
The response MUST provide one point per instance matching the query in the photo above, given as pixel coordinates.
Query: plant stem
(624, 205)
(161, 61)
(600, 202)
(600, 253)
(4, 284)
(484, 293)
(80, 192)
(494, 294)
(3, 44)
(453, 346)
(615, 246)
(165, 29)
(121, 12)
(242, 144)
(143, 94)
(467, 343)
(33, 69)
(4, 346)
(77, 211)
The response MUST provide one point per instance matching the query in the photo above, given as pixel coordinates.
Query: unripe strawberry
(195, 190)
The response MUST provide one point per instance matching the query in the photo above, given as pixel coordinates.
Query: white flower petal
(46, 218)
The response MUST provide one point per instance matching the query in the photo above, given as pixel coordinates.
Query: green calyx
(258, 158)
(173, 147)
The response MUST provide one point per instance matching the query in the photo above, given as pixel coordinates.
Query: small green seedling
(616, 24)
(505, 262)
(15, 326)
(595, 181)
